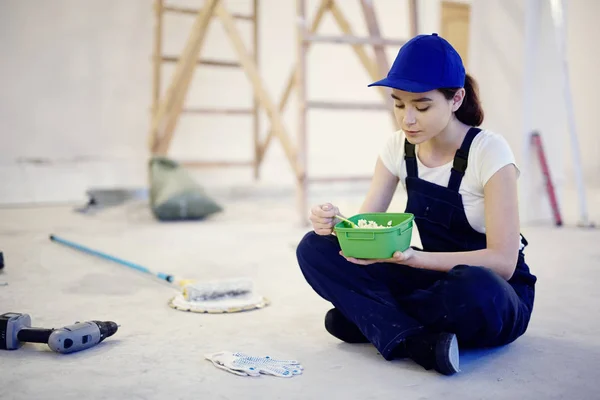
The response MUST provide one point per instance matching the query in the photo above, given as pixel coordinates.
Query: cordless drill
(15, 328)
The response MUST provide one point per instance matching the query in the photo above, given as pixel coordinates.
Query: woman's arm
(381, 191)
(502, 232)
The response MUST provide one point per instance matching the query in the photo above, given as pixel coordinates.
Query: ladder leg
(256, 110)
(302, 181)
(156, 63)
(382, 62)
(413, 12)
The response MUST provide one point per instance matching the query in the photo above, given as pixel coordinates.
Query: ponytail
(470, 111)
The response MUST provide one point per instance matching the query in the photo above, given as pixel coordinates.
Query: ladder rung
(331, 179)
(353, 40)
(346, 106)
(216, 63)
(195, 11)
(211, 164)
(224, 111)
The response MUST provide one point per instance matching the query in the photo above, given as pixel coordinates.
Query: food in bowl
(365, 224)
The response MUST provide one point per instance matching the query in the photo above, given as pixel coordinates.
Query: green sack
(174, 195)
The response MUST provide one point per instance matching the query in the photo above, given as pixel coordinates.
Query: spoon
(352, 224)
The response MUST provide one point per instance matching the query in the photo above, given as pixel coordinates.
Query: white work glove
(245, 365)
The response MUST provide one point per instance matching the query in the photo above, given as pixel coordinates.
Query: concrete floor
(158, 352)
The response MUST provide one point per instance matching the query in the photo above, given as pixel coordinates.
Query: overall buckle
(460, 161)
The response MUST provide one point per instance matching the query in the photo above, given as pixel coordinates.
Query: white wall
(498, 61)
(75, 85)
(74, 96)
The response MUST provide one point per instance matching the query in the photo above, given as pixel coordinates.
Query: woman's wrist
(413, 258)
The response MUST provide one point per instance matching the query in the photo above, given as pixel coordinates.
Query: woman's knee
(476, 278)
(494, 314)
(313, 247)
(478, 288)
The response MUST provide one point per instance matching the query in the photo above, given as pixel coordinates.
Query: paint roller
(193, 291)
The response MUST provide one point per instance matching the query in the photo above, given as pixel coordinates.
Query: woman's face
(423, 116)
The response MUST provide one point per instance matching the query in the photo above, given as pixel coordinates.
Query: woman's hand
(323, 218)
(399, 257)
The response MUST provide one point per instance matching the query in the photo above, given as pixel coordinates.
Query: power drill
(15, 328)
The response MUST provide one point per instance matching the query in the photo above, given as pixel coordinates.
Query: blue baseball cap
(424, 63)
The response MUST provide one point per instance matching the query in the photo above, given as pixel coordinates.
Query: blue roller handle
(166, 277)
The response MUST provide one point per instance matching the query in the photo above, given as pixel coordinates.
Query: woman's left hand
(399, 257)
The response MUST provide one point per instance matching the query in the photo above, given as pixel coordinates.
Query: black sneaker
(437, 351)
(342, 328)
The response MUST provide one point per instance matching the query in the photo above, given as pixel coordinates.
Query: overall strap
(460, 160)
(411, 160)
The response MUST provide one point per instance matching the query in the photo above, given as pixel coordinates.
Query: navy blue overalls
(389, 302)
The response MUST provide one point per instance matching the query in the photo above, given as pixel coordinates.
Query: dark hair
(470, 111)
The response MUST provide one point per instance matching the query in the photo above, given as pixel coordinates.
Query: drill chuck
(107, 328)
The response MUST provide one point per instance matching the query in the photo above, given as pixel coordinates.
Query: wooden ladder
(167, 109)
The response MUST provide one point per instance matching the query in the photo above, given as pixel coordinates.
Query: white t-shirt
(488, 153)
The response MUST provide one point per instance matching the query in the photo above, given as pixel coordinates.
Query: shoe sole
(447, 355)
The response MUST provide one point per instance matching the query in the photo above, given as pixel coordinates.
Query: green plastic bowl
(374, 243)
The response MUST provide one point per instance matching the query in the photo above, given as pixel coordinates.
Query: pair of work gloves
(246, 365)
